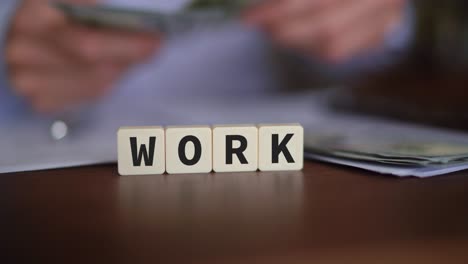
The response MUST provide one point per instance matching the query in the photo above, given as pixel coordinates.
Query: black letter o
(198, 150)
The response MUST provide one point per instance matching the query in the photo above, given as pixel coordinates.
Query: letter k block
(281, 147)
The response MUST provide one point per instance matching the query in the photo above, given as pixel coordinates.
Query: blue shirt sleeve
(9, 103)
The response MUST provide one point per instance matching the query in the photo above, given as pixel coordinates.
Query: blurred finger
(281, 11)
(95, 45)
(38, 18)
(362, 40)
(320, 31)
(262, 13)
(325, 25)
(38, 56)
(23, 51)
(52, 92)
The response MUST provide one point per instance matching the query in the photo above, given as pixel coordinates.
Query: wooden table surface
(324, 214)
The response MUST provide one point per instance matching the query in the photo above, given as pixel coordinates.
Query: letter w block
(141, 151)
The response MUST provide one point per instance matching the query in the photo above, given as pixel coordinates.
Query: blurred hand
(334, 30)
(56, 64)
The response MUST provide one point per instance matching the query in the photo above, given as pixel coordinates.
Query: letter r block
(235, 148)
(189, 149)
(281, 147)
(141, 151)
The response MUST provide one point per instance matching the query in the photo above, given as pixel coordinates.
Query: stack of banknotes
(401, 152)
(389, 151)
(196, 14)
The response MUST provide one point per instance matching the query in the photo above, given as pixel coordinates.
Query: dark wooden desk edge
(311, 167)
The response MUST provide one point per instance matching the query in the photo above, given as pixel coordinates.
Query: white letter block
(281, 147)
(141, 151)
(235, 148)
(188, 149)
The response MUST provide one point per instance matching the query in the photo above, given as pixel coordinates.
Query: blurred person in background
(50, 65)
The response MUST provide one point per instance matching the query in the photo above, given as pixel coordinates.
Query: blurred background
(75, 71)
(428, 83)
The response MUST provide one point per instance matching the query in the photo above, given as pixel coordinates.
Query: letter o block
(188, 149)
(235, 148)
(281, 147)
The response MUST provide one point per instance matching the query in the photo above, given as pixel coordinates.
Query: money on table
(388, 150)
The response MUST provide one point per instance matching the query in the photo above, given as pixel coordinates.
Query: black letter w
(149, 157)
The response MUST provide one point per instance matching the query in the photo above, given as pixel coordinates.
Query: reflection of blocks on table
(141, 150)
(201, 149)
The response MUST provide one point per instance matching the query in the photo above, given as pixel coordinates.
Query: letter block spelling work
(201, 149)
